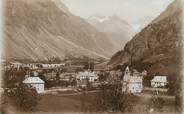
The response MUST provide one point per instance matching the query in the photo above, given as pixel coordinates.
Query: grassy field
(72, 103)
(60, 103)
(141, 105)
(53, 103)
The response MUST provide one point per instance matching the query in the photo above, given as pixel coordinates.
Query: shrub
(25, 97)
(111, 98)
(156, 103)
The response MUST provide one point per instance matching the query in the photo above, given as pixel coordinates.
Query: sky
(135, 12)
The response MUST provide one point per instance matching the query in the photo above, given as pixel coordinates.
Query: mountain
(42, 29)
(118, 30)
(157, 47)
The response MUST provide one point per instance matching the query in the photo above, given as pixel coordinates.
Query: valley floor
(73, 103)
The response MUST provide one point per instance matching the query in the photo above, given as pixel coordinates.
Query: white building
(87, 75)
(53, 65)
(132, 83)
(159, 81)
(35, 82)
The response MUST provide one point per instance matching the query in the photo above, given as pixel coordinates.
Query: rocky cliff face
(158, 46)
(41, 29)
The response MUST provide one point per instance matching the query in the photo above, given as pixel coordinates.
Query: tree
(13, 77)
(57, 76)
(88, 84)
(102, 77)
(147, 80)
(111, 98)
(63, 70)
(89, 65)
(78, 70)
(175, 88)
(25, 97)
(74, 82)
(179, 102)
(41, 76)
(178, 92)
(156, 103)
(83, 102)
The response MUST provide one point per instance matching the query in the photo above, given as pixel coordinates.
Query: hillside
(157, 47)
(42, 29)
(118, 30)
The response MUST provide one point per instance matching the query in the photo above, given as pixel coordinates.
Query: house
(53, 65)
(115, 73)
(16, 65)
(159, 81)
(82, 83)
(87, 75)
(35, 82)
(132, 82)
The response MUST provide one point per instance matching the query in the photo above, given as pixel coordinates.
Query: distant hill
(118, 30)
(42, 29)
(157, 47)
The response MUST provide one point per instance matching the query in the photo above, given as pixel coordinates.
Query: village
(47, 77)
(59, 81)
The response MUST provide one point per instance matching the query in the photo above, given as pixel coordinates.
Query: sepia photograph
(91, 56)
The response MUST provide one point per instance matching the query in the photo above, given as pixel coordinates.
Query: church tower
(127, 70)
(126, 74)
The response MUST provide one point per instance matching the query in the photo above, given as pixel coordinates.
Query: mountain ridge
(158, 45)
(39, 30)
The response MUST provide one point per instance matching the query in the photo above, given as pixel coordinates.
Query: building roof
(159, 79)
(136, 73)
(33, 80)
(127, 69)
(135, 79)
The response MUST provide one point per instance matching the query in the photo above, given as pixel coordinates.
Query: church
(132, 81)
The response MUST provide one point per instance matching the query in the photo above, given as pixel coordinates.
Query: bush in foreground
(156, 104)
(24, 97)
(111, 99)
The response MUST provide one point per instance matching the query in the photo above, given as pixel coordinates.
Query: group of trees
(110, 98)
(23, 97)
(147, 81)
(113, 99)
(155, 104)
(103, 76)
(57, 82)
(13, 77)
(175, 88)
(89, 65)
